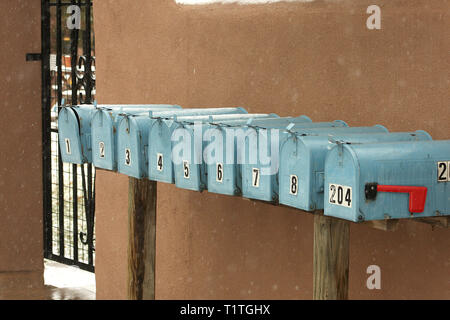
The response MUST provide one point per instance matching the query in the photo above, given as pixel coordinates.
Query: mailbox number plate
(293, 184)
(340, 195)
(186, 169)
(128, 157)
(159, 162)
(219, 172)
(443, 171)
(101, 149)
(68, 149)
(255, 177)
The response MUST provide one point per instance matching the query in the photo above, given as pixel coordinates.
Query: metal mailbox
(74, 129)
(376, 181)
(261, 182)
(74, 134)
(133, 137)
(160, 150)
(302, 164)
(224, 176)
(104, 125)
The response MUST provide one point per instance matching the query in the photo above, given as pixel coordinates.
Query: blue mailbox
(302, 164)
(376, 181)
(224, 176)
(160, 150)
(104, 125)
(259, 181)
(74, 129)
(74, 134)
(133, 137)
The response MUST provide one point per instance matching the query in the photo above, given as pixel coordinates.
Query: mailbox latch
(417, 195)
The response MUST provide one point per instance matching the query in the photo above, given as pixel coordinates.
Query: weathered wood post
(141, 239)
(331, 258)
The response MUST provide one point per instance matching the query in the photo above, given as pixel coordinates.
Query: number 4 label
(159, 162)
(443, 171)
(340, 195)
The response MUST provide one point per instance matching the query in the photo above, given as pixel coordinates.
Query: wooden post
(141, 239)
(331, 258)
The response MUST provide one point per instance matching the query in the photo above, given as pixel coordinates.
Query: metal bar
(89, 218)
(46, 124)
(74, 58)
(88, 55)
(60, 164)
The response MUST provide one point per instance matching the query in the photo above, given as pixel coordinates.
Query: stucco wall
(21, 260)
(317, 59)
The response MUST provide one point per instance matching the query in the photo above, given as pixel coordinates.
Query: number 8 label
(293, 186)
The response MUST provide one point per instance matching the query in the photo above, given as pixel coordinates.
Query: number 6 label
(340, 195)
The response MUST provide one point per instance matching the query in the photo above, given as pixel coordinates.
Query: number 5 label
(340, 195)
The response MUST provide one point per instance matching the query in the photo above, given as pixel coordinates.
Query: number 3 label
(443, 171)
(340, 195)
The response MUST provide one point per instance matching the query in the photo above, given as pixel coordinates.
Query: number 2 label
(340, 195)
(443, 171)
(101, 147)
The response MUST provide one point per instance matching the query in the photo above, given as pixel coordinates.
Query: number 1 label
(68, 150)
(340, 195)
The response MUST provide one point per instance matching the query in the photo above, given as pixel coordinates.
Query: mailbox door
(189, 172)
(69, 137)
(103, 140)
(132, 144)
(160, 152)
(341, 181)
(222, 174)
(259, 180)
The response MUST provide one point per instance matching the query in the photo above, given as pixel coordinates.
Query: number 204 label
(340, 195)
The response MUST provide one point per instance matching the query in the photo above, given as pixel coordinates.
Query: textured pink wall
(316, 59)
(21, 260)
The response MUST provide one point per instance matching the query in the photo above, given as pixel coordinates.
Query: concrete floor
(61, 283)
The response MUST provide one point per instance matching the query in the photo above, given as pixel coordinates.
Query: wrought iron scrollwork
(85, 73)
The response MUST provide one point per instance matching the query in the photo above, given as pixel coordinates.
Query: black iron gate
(68, 77)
